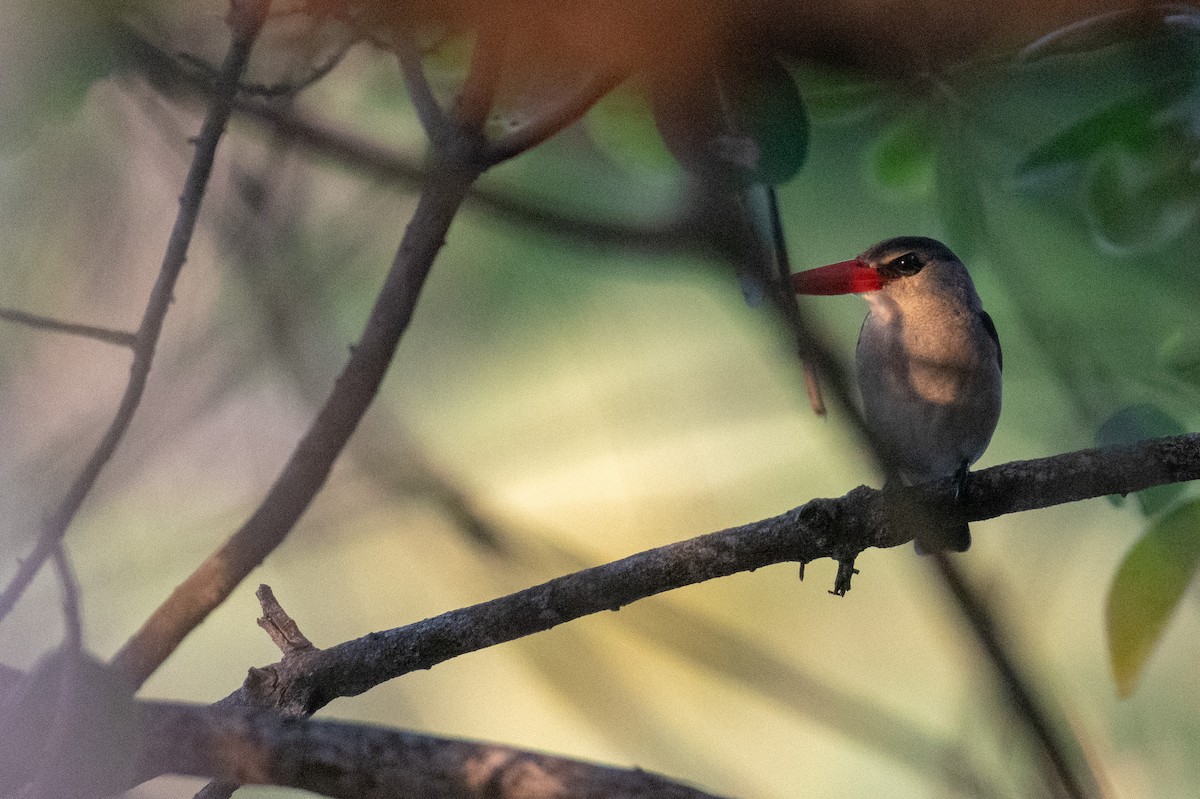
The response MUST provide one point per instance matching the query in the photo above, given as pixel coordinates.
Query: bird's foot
(962, 483)
(841, 583)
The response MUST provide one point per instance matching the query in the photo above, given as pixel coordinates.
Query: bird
(928, 363)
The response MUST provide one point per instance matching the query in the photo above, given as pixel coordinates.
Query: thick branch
(822, 528)
(353, 761)
(246, 17)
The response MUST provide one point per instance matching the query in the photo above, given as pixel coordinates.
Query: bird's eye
(906, 265)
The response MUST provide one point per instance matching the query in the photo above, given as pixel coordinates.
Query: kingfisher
(928, 363)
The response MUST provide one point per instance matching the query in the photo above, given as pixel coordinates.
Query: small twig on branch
(355, 761)
(279, 625)
(286, 635)
(823, 528)
(120, 338)
(246, 17)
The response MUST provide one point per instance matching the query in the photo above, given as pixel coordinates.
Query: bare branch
(353, 761)
(1025, 703)
(357, 152)
(309, 465)
(246, 17)
(429, 112)
(838, 528)
(109, 336)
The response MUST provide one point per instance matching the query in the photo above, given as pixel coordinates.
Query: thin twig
(246, 17)
(822, 528)
(479, 89)
(109, 336)
(673, 236)
(429, 111)
(551, 122)
(986, 629)
(360, 153)
(812, 382)
(281, 627)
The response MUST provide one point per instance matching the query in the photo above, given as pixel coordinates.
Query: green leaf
(1137, 423)
(958, 195)
(52, 63)
(777, 119)
(1135, 202)
(902, 158)
(1147, 588)
(743, 121)
(835, 96)
(1128, 122)
(622, 127)
(1180, 354)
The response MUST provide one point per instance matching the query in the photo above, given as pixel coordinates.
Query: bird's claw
(962, 483)
(841, 583)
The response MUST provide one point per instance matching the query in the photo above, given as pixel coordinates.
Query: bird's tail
(944, 538)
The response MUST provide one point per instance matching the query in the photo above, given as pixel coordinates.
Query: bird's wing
(990, 327)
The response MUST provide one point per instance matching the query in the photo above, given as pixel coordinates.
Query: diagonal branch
(433, 119)
(309, 465)
(247, 19)
(458, 159)
(980, 618)
(838, 528)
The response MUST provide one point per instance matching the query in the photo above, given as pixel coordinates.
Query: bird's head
(896, 265)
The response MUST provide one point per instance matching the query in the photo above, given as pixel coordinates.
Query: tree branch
(433, 119)
(838, 528)
(246, 18)
(353, 761)
(1026, 705)
(120, 338)
(309, 465)
(360, 153)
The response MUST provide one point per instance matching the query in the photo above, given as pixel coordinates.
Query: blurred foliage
(1147, 589)
(558, 396)
(740, 121)
(1137, 423)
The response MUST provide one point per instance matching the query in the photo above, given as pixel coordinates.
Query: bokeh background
(561, 402)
